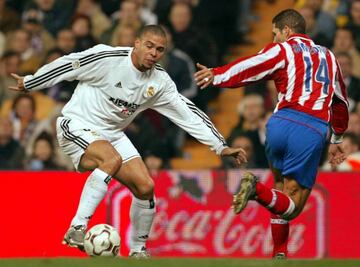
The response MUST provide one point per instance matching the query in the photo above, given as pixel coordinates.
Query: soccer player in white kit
(116, 84)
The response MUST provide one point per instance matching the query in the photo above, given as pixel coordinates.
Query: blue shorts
(294, 144)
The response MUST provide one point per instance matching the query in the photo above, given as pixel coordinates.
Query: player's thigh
(302, 158)
(275, 145)
(101, 153)
(86, 148)
(134, 174)
(297, 193)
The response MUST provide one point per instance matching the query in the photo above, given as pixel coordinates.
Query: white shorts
(74, 138)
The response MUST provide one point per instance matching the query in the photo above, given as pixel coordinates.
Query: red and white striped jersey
(307, 77)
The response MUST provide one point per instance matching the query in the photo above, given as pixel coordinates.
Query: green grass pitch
(173, 262)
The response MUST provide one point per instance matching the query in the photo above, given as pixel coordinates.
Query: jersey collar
(300, 36)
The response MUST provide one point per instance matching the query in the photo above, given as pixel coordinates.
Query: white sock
(141, 216)
(93, 192)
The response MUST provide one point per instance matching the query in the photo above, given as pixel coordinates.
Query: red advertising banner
(193, 216)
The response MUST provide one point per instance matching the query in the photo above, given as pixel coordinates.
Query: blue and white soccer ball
(102, 240)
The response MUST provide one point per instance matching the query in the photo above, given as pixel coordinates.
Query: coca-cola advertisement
(194, 218)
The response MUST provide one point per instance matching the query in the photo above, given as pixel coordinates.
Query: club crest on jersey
(150, 91)
(76, 64)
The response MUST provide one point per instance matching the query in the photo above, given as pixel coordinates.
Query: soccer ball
(102, 240)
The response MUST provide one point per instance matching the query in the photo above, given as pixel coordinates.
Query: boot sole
(241, 199)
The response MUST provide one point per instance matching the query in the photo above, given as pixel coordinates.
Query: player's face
(149, 49)
(280, 35)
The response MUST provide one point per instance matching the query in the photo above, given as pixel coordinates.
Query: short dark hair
(24, 96)
(155, 29)
(10, 53)
(291, 18)
(347, 29)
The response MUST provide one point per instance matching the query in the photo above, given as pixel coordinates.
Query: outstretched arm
(88, 65)
(245, 70)
(186, 115)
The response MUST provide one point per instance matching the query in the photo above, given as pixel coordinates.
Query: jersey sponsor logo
(126, 107)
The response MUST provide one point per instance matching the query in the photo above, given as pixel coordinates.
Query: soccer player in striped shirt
(311, 96)
(116, 84)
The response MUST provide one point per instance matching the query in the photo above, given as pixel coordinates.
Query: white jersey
(111, 92)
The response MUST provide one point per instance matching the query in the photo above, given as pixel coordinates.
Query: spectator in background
(66, 41)
(124, 36)
(325, 23)
(354, 124)
(162, 9)
(48, 126)
(19, 41)
(194, 42)
(43, 157)
(180, 67)
(23, 118)
(9, 63)
(110, 6)
(153, 162)
(11, 152)
(313, 29)
(146, 15)
(9, 18)
(352, 83)
(128, 15)
(251, 111)
(226, 23)
(344, 42)
(354, 23)
(40, 39)
(82, 28)
(99, 21)
(267, 90)
(245, 143)
(56, 13)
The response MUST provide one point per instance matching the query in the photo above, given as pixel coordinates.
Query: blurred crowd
(331, 23)
(36, 32)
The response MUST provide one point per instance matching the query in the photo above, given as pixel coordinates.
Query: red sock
(275, 201)
(280, 234)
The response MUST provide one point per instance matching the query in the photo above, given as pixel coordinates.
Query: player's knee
(145, 190)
